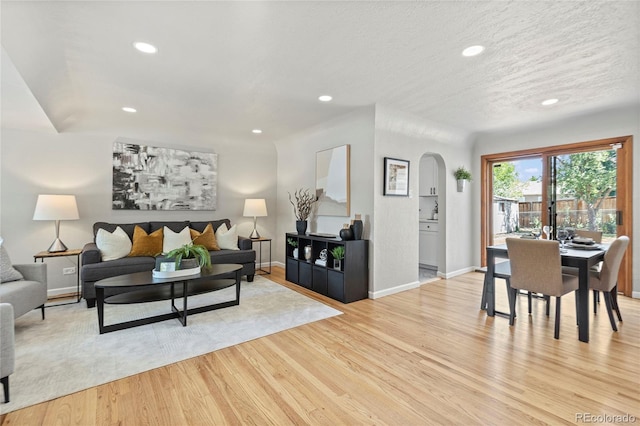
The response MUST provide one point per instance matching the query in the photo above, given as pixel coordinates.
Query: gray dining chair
(596, 236)
(536, 267)
(606, 279)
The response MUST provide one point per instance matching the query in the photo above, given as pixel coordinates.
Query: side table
(73, 252)
(259, 257)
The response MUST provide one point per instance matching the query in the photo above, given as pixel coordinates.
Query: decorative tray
(174, 274)
(320, 234)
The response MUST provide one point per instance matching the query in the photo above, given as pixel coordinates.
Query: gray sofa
(94, 269)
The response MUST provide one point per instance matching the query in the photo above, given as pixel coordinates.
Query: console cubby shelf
(347, 285)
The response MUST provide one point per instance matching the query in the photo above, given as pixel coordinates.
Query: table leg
(490, 285)
(583, 302)
(100, 308)
(184, 301)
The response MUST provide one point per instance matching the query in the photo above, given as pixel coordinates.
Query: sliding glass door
(581, 186)
(582, 193)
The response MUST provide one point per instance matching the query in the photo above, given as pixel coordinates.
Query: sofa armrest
(33, 271)
(7, 340)
(245, 243)
(90, 254)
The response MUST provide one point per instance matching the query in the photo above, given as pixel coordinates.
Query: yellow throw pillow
(207, 238)
(146, 244)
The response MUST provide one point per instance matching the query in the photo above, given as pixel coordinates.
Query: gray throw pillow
(7, 271)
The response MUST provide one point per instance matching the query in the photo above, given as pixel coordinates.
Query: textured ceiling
(225, 68)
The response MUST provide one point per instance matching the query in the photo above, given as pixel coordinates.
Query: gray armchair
(7, 346)
(28, 293)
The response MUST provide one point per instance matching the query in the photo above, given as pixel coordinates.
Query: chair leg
(42, 308)
(556, 331)
(512, 305)
(608, 303)
(596, 300)
(614, 300)
(5, 386)
(548, 300)
(483, 300)
(529, 301)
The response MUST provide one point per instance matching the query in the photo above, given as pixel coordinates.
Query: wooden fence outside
(570, 213)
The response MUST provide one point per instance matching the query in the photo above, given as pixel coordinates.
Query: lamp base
(254, 235)
(57, 246)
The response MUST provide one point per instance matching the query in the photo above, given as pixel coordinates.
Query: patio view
(583, 194)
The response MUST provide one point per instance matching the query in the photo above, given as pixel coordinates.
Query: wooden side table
(73, 252)
(259, 258)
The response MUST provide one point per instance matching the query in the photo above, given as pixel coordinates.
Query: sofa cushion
(146, 244)
(7, 272)
(126, 227)
(206, 238)
(173, 240)
(200, 226)
(127, 265)
(174, 226)
(233, 256)
(113, 245)
(227, 238)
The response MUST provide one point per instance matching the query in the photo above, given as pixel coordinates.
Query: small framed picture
(396, 177)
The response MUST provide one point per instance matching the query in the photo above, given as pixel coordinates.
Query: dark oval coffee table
(151, 289)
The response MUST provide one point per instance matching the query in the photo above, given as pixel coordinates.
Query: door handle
(619, 217)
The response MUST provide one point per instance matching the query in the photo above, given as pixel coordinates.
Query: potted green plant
(462, 175)
(338, 254)
(293, 243)
(302, 208)
(190, 256)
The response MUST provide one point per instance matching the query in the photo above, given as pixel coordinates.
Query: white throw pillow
(173, 240)
(227, 238)
(114, 245)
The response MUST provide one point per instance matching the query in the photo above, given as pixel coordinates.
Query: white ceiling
(225, 68)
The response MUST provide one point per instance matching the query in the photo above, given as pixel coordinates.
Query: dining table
(582, 258)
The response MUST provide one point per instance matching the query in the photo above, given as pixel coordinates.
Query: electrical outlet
(69, 271)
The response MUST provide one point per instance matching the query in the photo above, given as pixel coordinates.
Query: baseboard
(635, 294)
(456, 273)
(62, 291)
(393, 290)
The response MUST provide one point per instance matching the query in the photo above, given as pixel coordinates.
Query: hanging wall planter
(462, 175)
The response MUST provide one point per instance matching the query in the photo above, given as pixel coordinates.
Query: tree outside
(589, 177)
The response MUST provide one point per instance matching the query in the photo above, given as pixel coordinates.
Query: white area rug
(65, 353)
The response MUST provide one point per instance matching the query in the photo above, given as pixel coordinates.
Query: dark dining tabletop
(573, 257)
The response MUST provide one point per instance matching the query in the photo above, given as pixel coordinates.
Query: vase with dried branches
(302, 206)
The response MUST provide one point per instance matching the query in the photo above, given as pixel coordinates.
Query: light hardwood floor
(424, 356)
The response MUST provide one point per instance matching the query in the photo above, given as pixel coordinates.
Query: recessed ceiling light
(551, 101)
(129, 109)
(473, 50)
(324, 98)
(256, 131)
(145, 47)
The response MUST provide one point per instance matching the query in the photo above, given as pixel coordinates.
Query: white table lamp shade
(255, 207)
(57, 208)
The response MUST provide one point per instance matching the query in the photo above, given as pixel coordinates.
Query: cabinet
(428, 244)
(428, 176)
(348, 284)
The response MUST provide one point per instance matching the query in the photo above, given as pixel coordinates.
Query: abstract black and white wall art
(152, 178)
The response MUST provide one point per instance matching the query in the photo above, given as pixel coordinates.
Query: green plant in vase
(462, 175)
(338, 255)
(293, 243)
(191, 251)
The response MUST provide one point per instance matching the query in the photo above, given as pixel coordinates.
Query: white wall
(297, 168)
(621, 122)
(37, 162)
(396, 220)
